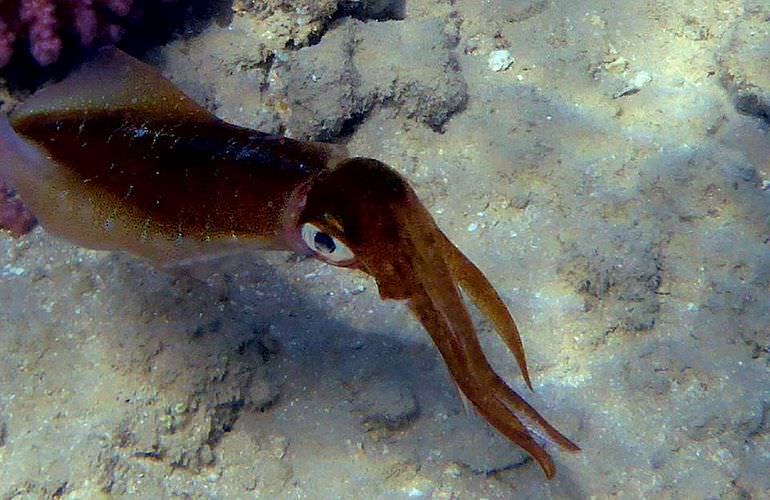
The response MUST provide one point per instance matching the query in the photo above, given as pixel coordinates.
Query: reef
(45, 27)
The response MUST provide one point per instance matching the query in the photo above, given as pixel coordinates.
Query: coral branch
(39, 18)
(44, 26)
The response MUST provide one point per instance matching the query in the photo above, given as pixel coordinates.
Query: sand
(612, 181)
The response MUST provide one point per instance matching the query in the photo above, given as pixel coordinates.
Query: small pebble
(9, 270)
(641, 79)
(618, 65)
(453, 470)
(278, 446)
(635, 84)
(500, 60)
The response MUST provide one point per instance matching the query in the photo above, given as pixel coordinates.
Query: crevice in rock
(223, 418)
(373, 10)
(752, 104)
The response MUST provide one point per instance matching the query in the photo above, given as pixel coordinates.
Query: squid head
(364, 215)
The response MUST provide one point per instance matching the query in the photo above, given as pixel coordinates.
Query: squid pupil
(324, 242)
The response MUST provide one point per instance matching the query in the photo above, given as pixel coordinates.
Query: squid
(115, 157)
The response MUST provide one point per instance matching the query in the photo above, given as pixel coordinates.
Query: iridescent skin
(115, 157)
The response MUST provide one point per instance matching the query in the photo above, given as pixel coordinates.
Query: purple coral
(14, 217)
(43, 25)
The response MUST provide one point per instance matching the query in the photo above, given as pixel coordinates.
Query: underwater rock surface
(744, 61)
(612, 182)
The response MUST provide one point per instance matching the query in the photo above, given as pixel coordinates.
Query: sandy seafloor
(613, 183)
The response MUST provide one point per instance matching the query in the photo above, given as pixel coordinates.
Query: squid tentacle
(438, 305)
(488, 301)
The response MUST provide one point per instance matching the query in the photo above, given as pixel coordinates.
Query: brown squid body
(115, 157)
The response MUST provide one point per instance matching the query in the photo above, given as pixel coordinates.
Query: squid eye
(325, 245)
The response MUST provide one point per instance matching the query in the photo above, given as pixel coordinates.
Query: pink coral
(43, 25)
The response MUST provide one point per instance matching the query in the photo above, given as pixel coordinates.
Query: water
(618, 203)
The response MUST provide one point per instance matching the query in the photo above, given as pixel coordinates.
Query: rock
(634, 84)
(333, 84)
(641, 79)
(500, 60)
(744, 61)
(295, 22)
(322, 86)
(419, 76)
(260, 471)
(617, 65)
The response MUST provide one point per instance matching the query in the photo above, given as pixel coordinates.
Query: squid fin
(113, 81)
